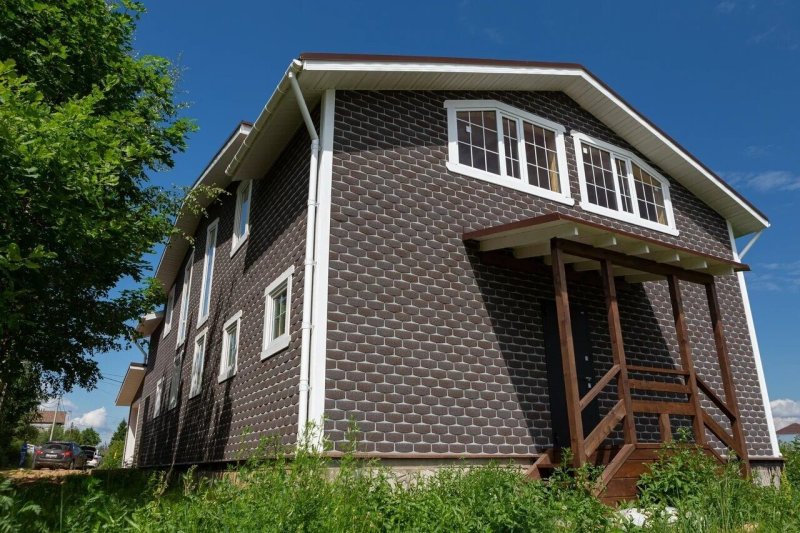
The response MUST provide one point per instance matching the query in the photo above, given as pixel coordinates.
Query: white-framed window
(241, 221)
(198, 362)
(175, 380)
(183, 315)
(208, 271)
(158, 397)
(495, 142)
(278, 296)
(616, 183)
(230, 347)
(169, 308)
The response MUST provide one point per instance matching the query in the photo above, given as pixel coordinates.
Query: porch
(568, 245)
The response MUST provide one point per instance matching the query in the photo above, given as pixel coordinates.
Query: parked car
(57, 454)
(92, 457)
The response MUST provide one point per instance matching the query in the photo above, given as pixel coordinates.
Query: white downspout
(308, 272)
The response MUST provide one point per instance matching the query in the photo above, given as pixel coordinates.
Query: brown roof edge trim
(324, 56)
(556, 217)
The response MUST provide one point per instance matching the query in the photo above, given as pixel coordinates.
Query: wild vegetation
(278, 493)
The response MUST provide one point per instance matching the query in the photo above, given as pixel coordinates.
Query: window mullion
(523, 160)
(501, 143)
(632, 188)
(617, 185)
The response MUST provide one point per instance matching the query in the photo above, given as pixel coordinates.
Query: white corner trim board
(751, 328)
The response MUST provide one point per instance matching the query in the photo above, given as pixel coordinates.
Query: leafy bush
(791, 453)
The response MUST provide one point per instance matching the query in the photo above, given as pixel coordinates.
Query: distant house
(472, 259)
(789, 433)
(44, 419)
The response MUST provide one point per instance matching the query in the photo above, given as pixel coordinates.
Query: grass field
(273, 493)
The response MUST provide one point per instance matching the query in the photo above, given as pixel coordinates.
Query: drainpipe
(308, 272)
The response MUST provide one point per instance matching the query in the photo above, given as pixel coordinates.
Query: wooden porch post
(727, 374)
(568, 355)
(618, 349)
(686, 359)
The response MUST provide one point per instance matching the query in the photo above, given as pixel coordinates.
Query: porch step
(622, 485)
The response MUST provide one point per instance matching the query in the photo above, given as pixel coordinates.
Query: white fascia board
(261, 122)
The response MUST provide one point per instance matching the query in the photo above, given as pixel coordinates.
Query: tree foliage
(120, 432)
(83, 119)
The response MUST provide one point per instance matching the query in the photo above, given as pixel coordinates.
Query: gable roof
(791, 429)
(317, 72)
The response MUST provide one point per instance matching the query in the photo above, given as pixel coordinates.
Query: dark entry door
(584, 363)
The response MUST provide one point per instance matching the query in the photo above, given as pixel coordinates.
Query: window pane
(184, 318)
(477, 140)
(600, 186)
(233, 332)
(624, 187)
(197, 364)
(208, 269)
(278, 314)
(540, 150)
(650, 196)
(244, 210)
(511, 146)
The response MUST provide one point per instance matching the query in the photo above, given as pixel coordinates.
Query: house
(789, 433)
(45, 419)
(472, 259)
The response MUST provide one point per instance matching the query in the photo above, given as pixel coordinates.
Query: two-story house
(472, 259)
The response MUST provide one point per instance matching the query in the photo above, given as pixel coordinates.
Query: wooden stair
(624, 465)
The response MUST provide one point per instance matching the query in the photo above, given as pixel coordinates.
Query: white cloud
(777, 276)
(785, 412)
(93, 419)
(767, 181)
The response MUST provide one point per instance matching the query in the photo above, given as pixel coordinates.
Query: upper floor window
(241, 222)
(208, 271)
(168, 311)
(158, 396)
(230, 347)
(175, 380)
(183, 317)
(198, 362)
(500, 144)
(615, 183)
(276, 314)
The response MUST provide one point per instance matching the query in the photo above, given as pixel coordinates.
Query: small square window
(230, 347)
(278, 302)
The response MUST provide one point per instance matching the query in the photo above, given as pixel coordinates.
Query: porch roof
(130, 384)
(531, 238)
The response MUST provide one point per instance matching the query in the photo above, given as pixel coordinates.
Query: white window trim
(183, 312)
(169, 311)
(201, 318)
(238, 240)
(630, 157)
(158, 400)
(274, 346)
(521, 183)
(195, 388)
(174, 387)
(227, 373)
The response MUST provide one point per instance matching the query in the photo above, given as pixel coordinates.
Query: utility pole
(55, 415)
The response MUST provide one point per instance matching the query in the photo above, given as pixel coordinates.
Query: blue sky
(721, 77)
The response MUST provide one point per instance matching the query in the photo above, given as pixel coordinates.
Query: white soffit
(130, 384)
(318, 72)
(149, 322)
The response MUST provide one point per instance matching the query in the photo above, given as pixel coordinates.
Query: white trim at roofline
(319, 335)
(751, 328)
(460, 67)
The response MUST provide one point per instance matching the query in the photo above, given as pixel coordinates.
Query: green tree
(72, 434)
(83, 120)
(120, 432)
(89, 437)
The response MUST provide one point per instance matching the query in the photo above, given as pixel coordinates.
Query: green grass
(273, 493)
